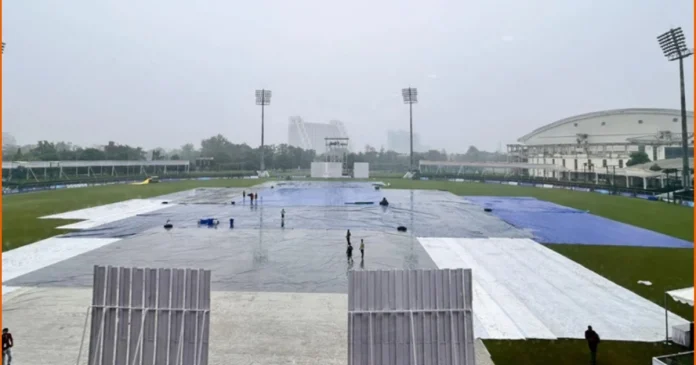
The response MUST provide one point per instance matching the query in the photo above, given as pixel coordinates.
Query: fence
(149, 316)
(683, 358)
(555, 184)
(410, 317)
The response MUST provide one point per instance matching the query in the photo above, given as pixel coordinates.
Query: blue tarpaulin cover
(553, 223)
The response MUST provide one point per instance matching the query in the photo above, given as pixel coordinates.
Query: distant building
(310, 136)
(400, 142)
(599, 143)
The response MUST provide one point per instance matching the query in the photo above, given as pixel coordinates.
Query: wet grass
(575, 352)
(20, 219)
(665, 268)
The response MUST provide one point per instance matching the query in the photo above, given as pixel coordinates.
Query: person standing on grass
(592, 341)
(362, 249)
(282, 218)
(7, 344)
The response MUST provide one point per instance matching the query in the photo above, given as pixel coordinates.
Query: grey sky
(162, 73)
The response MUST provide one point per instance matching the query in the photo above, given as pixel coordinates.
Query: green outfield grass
(665, 268)
(575, 352)
(20, 219)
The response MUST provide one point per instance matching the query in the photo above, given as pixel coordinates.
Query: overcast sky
(161, 73)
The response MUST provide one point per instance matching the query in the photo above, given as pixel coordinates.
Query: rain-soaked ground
(308, 254)
(292, 260)
(321, 206)
(279, 293)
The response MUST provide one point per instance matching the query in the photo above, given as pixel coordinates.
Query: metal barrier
(682, 358)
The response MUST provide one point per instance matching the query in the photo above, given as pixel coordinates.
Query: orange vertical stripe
(1, 246)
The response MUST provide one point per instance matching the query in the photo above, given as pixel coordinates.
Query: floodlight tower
(673, 44)
(410, 95)
(263, 98)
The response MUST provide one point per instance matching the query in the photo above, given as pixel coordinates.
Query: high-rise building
(310, 136)
(400, 142)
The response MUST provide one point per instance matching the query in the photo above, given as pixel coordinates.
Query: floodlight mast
(673, 44)
(263, 98)
(410, 95)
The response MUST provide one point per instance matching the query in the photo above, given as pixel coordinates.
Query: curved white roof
(613, 126)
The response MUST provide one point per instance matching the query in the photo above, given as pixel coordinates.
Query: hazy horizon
(162, 74)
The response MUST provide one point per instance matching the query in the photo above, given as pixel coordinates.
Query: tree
(159, 154)
(65, 146)
(283, 158)
(435, 155)
(472, 154)
(188, 152)
(226, 155)
(8, 140)
(637, 158)
(9, 146)
(115, 151)
(216, 146)
(18, 156)
(45, 151)
(91, 154)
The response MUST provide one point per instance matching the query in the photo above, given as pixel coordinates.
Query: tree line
(218, 153)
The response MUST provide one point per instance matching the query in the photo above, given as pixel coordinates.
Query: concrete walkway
(246, 328)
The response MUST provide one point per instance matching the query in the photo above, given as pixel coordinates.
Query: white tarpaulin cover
(525, 290)
(326, 170)
(685, 295)
(103, 214)
(38, 255)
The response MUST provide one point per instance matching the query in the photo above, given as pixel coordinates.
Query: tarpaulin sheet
(425, 213)
(329, 196)
(525, 290)
(312, 193)
(519, 204)
(299, 261)
(553, 223)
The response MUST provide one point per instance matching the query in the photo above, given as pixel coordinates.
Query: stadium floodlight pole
(263, 98)
(673, 44)
(410, 95)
